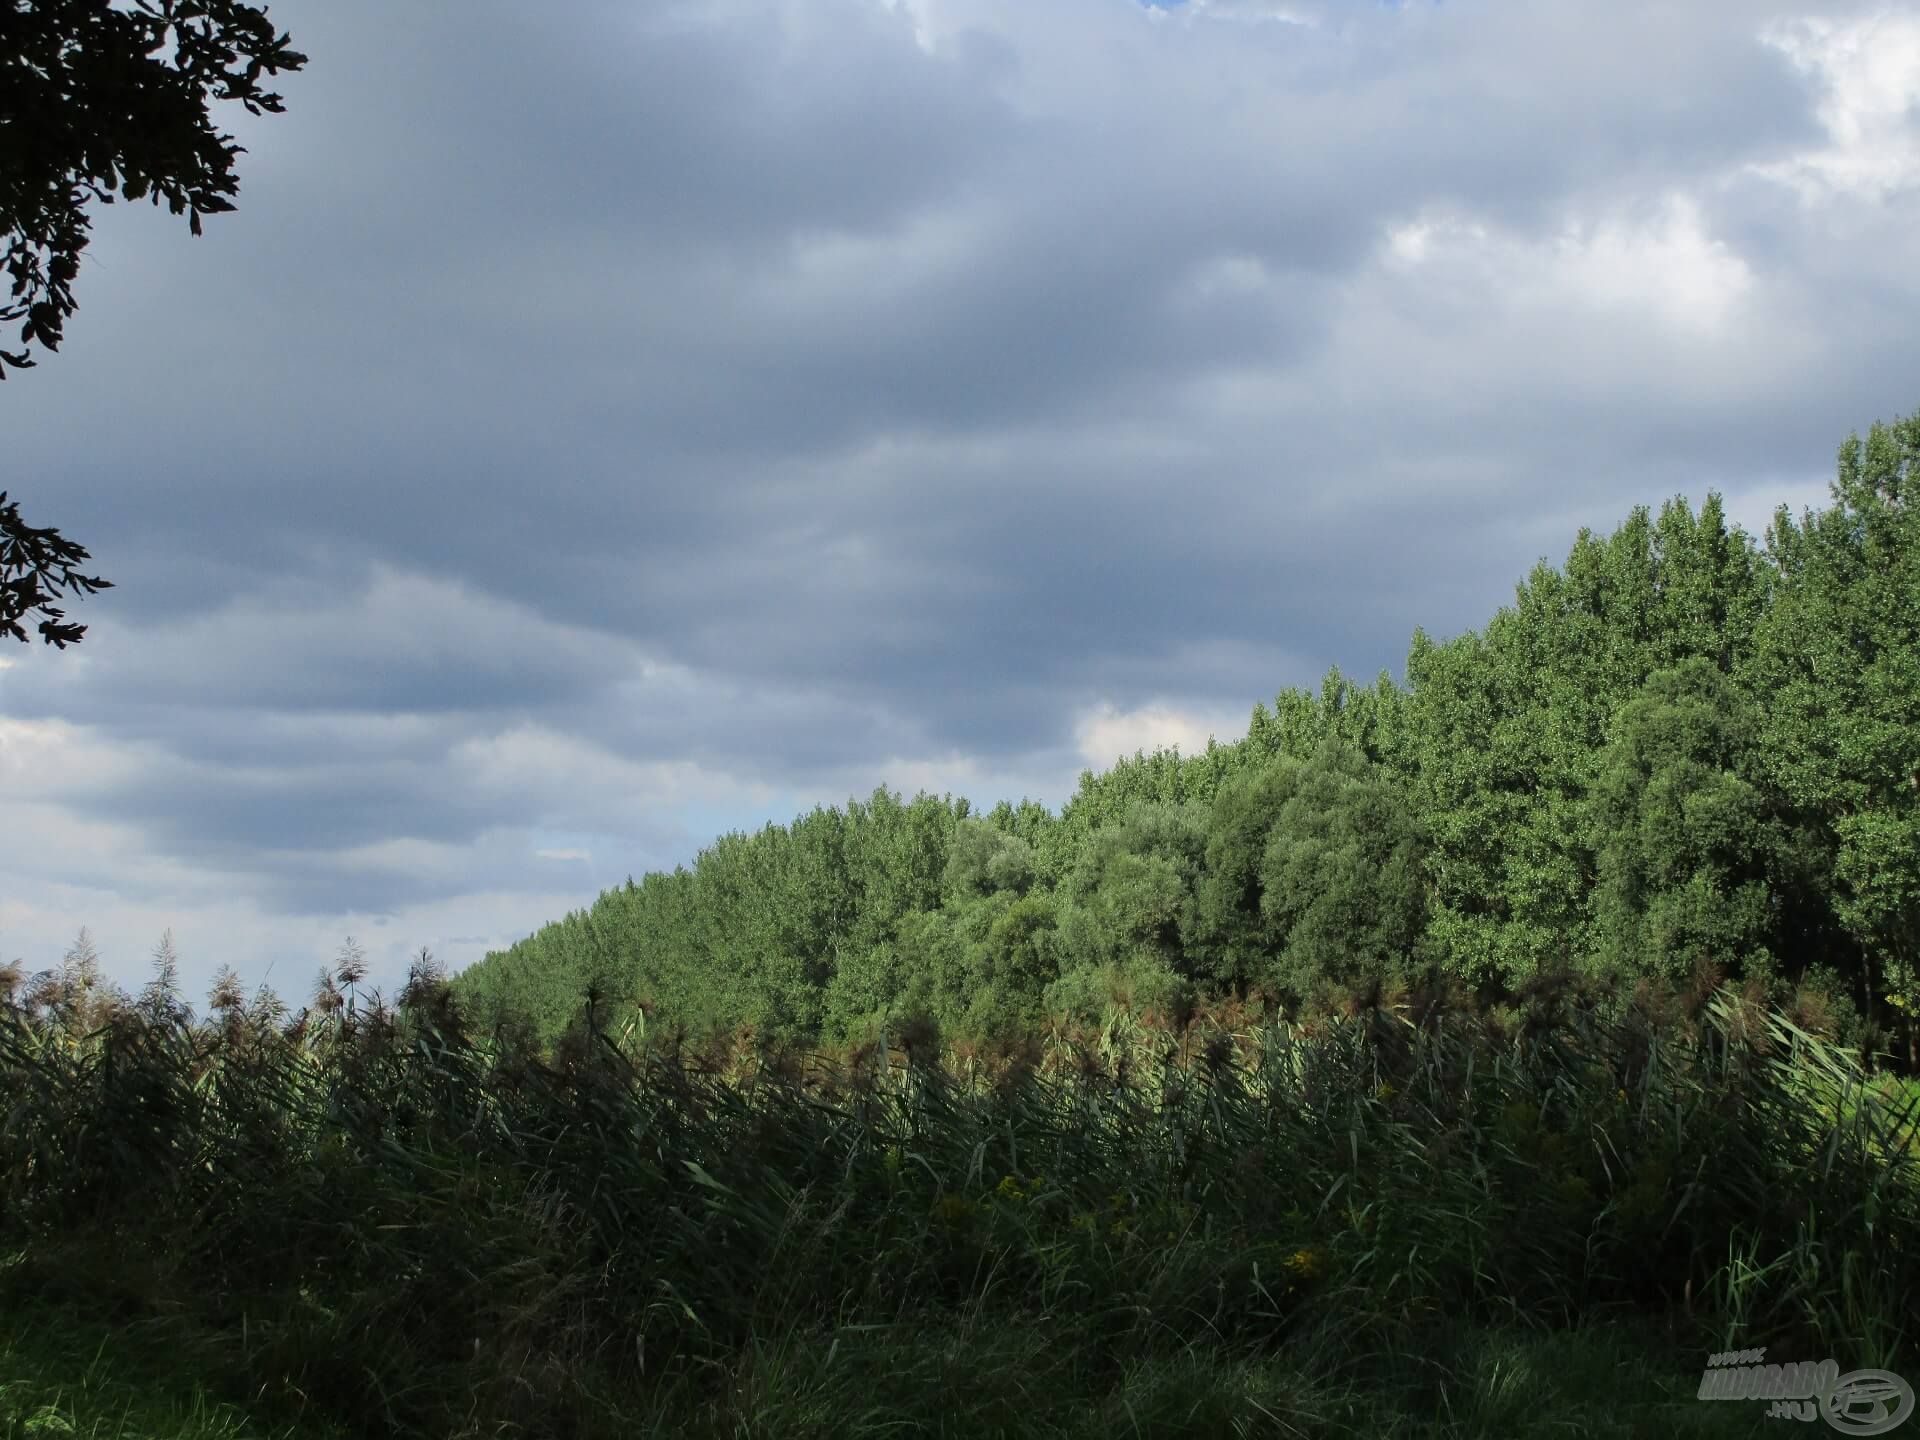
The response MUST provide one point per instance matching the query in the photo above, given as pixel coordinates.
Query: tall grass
(377, 1219)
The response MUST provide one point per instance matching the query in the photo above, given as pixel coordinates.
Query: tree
(1506, 729)
(1690, 853)
(978, 967)
(1341, 889)
(35, 567)
(984, 860)
(89, 105)
(1839, 666)
(1131, 898)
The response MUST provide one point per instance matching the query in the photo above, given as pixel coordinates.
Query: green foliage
(1687, 846)
(1507, 730)
(1312, 875)
(1129, 926)
(64, 1371)
(1239, 937)
(984, 859)
(979, 968)
(755, 933)
(1839, 664)
(1341, 889)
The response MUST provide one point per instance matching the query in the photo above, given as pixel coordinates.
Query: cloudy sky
(605, 425)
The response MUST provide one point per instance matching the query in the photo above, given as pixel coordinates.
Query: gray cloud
(684, 413)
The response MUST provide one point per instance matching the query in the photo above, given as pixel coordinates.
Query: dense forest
(1682, 754)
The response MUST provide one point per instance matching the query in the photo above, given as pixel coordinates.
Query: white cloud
(1106, 733)
(922, 15)
(1669, 264)
(562, 781)
(1276, 12)
(1868, 70)
(47, 758)
(1661, 262)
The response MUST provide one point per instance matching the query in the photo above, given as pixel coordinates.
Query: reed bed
(367, 1219)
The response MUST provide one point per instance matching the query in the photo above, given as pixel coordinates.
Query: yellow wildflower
(1308, 1263)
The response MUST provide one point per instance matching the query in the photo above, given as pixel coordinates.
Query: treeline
(1681, 754)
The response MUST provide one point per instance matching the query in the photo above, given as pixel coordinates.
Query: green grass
(64, 1374)
(65, 1371)
(1610, 1380)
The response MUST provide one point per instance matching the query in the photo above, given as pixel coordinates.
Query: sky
(604, 426)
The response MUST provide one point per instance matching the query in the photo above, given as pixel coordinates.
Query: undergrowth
(367, 1220)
